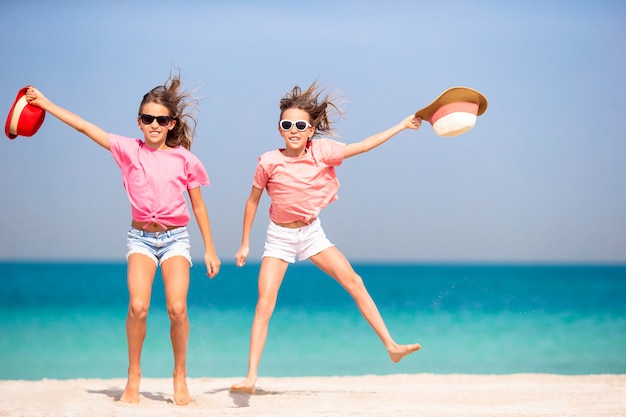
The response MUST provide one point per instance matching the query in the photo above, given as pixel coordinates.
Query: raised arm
(248, 219)
(369, 143)
(34, 97)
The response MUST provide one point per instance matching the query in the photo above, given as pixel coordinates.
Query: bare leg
(141, 271)
(335, 264)
(270, 278)
(176, 281)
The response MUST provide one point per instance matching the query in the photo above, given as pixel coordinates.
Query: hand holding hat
(24, 119)
(455, 111)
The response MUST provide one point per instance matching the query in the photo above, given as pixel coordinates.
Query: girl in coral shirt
(300, 180)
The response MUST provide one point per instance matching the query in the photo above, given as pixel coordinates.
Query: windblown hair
(320, 107)
(180, 106)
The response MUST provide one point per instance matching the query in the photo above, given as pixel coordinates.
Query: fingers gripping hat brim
(23, 119)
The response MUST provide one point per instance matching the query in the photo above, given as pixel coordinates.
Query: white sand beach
(390, 395)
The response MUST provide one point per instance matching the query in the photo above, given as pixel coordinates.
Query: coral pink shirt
(156, 180)
(300, 187)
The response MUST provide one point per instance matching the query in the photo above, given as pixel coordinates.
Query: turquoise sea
(66, 320)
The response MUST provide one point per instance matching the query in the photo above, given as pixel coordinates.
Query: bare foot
(181, 392)
(131, 392)
(247, 386)
(400, 351)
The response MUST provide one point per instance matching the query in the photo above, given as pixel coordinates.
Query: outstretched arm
(367, 144)
(34, 97)
(248, 218)
(202, 218)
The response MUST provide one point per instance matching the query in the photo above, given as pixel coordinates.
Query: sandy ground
(389, 395)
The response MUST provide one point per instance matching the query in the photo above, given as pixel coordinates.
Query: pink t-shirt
(156, 180)
(300, 187)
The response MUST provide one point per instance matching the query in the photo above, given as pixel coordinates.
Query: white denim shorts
(286, 243)
(159, 246)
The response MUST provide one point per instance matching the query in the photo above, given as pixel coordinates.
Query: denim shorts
(286, 243)
(159, 246)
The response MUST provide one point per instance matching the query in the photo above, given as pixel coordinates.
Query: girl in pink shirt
(156, 172)
(300, 180)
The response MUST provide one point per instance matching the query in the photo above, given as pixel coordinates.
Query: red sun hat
(24, 119)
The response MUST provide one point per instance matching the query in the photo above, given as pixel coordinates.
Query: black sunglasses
(301, 125)
(147, 119)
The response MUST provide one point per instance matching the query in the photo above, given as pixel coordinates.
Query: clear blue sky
(541, 178)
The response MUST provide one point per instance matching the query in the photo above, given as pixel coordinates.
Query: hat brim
(454, 95)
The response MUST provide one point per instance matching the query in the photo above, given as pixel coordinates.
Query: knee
(138, 309)
(354, 284)
(264, 308)
(177, 311)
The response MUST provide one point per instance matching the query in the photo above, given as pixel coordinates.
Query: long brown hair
(320, 107)
(180, 106)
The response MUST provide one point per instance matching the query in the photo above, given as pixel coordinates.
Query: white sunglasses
(301, 125)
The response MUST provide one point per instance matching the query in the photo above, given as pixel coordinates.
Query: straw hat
(24, 119)
(455, 110)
